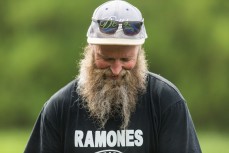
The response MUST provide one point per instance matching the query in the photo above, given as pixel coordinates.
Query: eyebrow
(102, 55)
(105, 56)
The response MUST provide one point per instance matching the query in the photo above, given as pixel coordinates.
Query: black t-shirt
(161, 123)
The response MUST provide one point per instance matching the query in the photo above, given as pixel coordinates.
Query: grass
(14, 141)
(214, 142)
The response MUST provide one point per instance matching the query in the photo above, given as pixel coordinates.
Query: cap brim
(115, 41)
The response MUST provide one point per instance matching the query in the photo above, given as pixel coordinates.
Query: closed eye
(108, 59)
(125, 59)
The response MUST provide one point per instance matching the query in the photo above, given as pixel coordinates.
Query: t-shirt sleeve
(177, 133)
(45, 137)
(47, 134)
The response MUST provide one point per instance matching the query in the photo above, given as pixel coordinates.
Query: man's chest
(82, 135)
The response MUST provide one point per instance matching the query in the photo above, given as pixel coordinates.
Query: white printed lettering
(121, 138)
(111, 138)
(139, 139)
(100, 139)
(89, 140)
(78, 138)
(129, 138)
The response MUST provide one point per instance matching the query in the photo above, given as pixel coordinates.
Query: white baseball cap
(121, 11)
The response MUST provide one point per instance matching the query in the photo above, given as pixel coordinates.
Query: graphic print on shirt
(108, 139)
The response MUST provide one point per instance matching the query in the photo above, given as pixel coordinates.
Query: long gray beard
(104, 98)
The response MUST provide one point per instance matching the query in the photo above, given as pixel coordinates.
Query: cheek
(101, 64)
(130, 65)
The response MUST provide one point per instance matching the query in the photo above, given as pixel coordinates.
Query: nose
(116, 67)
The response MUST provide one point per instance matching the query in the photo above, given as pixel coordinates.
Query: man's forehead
(109, 50)
(116, 47)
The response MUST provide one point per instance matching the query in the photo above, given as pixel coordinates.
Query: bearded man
(115, 105)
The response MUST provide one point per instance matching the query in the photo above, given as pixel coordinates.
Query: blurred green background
(41, 43)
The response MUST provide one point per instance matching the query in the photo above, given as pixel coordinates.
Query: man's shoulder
(65, 92)
(64, 96)
(164, 90)
(162, 83)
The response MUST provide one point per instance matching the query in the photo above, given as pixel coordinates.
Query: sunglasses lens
(108, 26)
(131, 28)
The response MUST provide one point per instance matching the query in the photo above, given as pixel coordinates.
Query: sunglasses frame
(117, 23)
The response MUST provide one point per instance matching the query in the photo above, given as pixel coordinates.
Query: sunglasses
(129, 28)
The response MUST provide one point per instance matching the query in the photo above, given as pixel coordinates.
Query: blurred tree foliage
(41, 43)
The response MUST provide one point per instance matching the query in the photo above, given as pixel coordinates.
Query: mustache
(106, 73)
